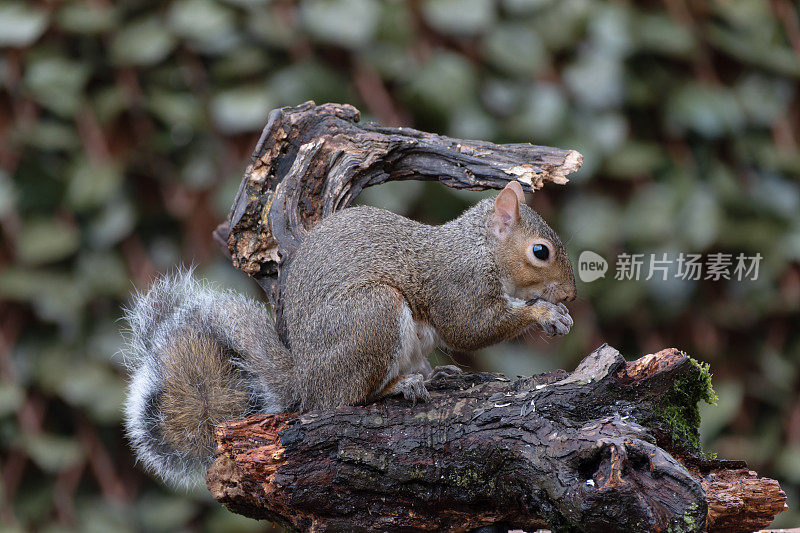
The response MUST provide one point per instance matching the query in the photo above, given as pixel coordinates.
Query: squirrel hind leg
(350, 348)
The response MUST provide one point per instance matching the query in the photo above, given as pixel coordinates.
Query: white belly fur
(417, 340)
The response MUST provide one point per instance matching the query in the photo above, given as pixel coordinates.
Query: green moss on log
(680, 410)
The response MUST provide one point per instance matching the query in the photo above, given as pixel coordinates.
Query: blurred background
(125, 128)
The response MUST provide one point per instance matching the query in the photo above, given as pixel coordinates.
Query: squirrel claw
(412, 387)
(555, 318)
(444, 371)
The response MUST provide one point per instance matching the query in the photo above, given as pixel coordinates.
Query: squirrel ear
(517, 188)
(506, 210)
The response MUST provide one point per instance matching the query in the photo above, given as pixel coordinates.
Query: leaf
(176, 108)
(90, 385)
(8, 196)
(707, 110)
(51, 453)
(87, 18)
(788, 463)
(525, 7)
(516, 49)
(43, 240)
(51, 135)
(97, 515)
(459, 17)
(54, 295)
(243, 62)
(394, 196)
(21, 24)
(309, 80)
(596, 79)
(648, 216)
(144, 42)
(764, 99)
(11, 397)
(222, 520)
(593, 222)
(348, 23)
(714, 418)
(112, 224)
(108, 103)
(103, 273)
(270, 29)
(759, 52)
(92, 183)
(660, 33)
(165, 512)
(243, 109)
(443, 70)
(699, 219)
(542, 115)
(472, 123)
(634, 160)
(208, 25)
(57, 83)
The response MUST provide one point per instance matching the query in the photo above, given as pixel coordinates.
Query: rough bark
(588, 450)
(313, 160)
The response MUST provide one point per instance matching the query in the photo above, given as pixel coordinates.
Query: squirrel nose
(572, 292)
(567, 292)
(571, 297)
(563, 292)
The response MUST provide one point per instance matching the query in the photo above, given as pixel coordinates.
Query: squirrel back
(197, 357)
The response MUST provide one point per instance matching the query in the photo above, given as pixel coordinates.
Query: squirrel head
(532, 258)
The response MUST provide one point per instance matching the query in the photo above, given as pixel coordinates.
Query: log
(597, 449)
(313, 160)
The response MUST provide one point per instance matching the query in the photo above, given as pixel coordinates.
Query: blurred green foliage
(125, 128)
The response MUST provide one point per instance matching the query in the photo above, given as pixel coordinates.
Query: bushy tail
(197, 357)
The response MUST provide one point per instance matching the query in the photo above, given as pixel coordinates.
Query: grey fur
(367, 294)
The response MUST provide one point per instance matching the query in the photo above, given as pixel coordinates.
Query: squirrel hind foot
(411, 386)
(444, 371)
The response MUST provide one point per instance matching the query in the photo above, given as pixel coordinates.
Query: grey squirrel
(368, 295)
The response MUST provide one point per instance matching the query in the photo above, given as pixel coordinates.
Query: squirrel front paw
(554, 319)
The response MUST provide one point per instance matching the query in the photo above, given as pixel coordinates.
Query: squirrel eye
(540, 251)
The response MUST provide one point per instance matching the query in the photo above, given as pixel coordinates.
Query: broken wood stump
(611, 446)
